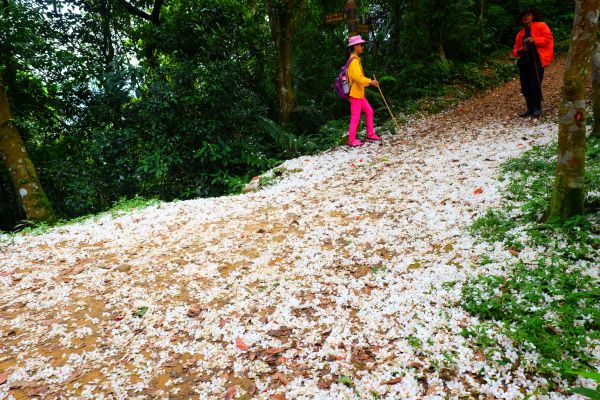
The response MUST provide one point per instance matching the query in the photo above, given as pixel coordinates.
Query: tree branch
(136, 11)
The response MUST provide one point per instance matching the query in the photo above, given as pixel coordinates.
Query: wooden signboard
(354, 28)
(333, 18)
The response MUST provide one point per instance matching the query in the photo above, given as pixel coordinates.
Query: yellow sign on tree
(354, 28)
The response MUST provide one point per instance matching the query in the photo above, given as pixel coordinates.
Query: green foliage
(587, 392)
(550, 308)
(552, 305)
(124, 205)
(493, 226)
(529, 183)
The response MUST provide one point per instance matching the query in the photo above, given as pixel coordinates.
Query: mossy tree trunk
(568, 193)
(22, 173)
(596, 89)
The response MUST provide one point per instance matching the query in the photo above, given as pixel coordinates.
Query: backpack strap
(350, 60)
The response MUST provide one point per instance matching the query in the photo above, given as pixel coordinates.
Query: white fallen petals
(351, 263)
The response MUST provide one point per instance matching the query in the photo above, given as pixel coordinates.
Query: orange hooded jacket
(544, 42)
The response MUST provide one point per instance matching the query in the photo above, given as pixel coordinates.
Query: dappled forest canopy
(177, 99)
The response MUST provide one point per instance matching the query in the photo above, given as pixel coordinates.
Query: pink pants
(356, 106)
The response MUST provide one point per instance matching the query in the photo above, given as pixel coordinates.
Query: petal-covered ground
(348, 268)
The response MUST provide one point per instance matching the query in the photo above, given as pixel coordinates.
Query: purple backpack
(341, 85)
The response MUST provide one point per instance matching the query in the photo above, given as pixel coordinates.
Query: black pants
(531, 73)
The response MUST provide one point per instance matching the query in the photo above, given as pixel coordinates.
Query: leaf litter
(327, 284)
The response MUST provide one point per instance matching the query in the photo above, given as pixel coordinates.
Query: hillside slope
(351, 264)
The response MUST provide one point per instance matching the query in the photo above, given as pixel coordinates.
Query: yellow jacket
(358, 80)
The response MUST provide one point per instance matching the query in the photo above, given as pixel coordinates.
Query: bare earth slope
(350, 265)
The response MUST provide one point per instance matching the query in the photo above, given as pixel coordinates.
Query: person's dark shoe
(526, 114)
(529, 111)
(537, 113)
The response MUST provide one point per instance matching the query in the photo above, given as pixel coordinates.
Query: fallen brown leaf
(194, 311)
(325, 384)
(240, 344)
(393, 381)
(274, 350)
(229, 393)
(21, 384)
(3, 378)
(479, 356)
(159, 322)
(416, 364)
(283, 331)
(432, 390)
(203, 378)
(76, 374)
(37, 391)
(281, 378)
(78, 269)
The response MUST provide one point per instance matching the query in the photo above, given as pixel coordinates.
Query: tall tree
(568, 194)
(150, 44)
(22, 172)
(596, 89)
(439, 20)
(283, 18)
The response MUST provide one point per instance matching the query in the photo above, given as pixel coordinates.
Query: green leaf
(140, 312)
(586, 374)
(587, 392)
(346, 380)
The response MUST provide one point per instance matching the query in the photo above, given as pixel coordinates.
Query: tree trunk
(282, 18)
(351, 18)
(285, 91)
(439, 48)
(596, 90)
(22, 173)
(437, 29)
(108, 49)
(568, 194)
(481, 11)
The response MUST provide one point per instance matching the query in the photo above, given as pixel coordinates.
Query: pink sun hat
(355, 40)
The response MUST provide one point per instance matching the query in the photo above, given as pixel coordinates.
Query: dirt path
(350, 265)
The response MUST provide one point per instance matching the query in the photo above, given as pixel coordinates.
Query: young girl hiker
(358, 102)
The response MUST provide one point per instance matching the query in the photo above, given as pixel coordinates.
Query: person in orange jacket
(358, 101)
(534, 48)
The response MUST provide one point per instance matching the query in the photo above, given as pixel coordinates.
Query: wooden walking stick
(388, 107)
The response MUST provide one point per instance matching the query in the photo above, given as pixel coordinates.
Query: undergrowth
(550, 306)
(120, 207)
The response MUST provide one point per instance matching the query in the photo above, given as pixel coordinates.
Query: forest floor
(328, 283)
